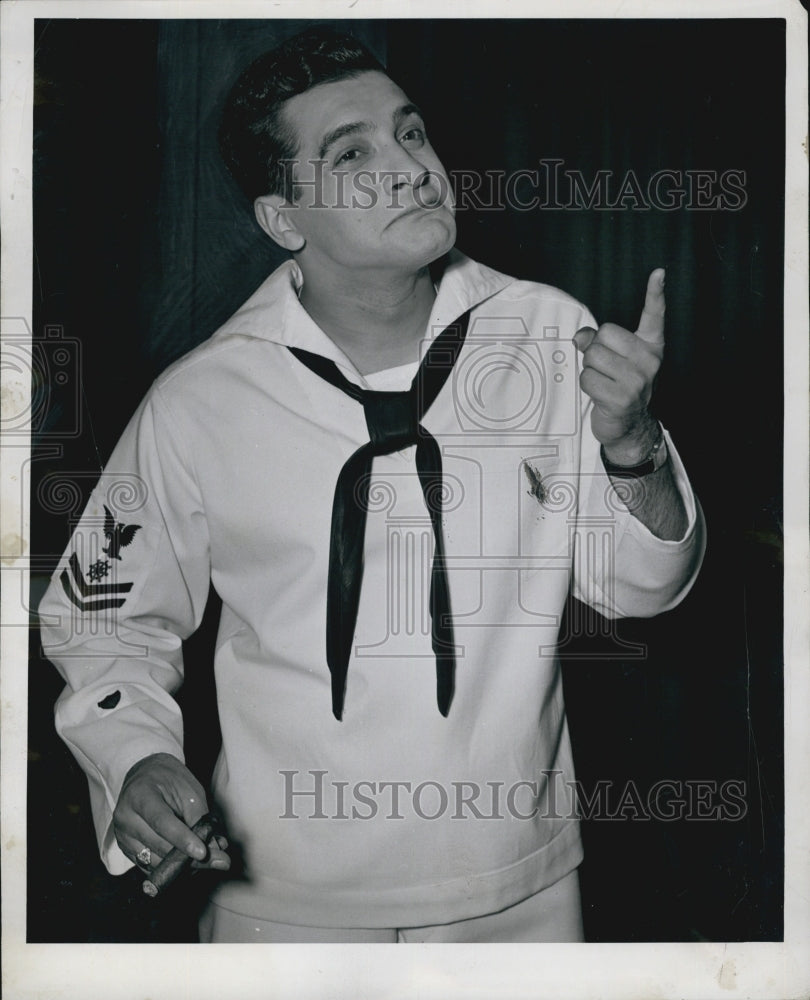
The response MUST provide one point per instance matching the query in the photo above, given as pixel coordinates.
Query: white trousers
(552, 915)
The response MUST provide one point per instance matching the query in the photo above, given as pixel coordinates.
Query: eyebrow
(353, 128)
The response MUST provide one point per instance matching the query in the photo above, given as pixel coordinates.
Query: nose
(418, 184)
(427, 189)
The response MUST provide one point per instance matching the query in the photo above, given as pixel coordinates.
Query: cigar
(176, 861)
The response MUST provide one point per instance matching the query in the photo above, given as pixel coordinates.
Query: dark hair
(254, 139)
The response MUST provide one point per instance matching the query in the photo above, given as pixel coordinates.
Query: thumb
(651, 324)
(584, 337)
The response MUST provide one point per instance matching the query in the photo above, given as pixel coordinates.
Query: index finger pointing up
(651, 324)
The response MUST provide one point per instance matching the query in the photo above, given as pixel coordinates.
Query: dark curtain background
(143, 246)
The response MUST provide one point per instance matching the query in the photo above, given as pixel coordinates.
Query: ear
(272, 214)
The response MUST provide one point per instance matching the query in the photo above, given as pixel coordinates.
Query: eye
(414, 134)
(348, 157)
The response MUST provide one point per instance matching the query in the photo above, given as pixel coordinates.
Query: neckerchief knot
(391, 420)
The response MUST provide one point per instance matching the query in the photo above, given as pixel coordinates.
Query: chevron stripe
(87, 605)
(100, 595)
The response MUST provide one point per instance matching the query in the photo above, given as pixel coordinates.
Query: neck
(377, 319)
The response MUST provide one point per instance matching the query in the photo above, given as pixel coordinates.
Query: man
(393, 468)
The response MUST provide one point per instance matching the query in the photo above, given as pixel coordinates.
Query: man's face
(371, 192)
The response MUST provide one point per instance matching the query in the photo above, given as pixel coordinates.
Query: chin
(441, 242)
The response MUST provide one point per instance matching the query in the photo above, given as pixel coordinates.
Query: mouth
(420, 210)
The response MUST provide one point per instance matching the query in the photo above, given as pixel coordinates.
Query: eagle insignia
(118, 535)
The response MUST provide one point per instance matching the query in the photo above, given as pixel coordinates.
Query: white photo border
(163, 972)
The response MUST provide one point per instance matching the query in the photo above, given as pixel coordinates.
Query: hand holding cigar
(158, 822)
(176, 861)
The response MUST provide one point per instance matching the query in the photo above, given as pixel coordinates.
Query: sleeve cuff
(655, 574)
(631, 572)
(105, 789)
(691, 506)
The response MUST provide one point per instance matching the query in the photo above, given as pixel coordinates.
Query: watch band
(653, 461)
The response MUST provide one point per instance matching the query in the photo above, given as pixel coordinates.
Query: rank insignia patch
(85, 588)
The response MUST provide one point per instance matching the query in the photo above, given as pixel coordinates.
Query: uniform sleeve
(620, 567)
(131, 586)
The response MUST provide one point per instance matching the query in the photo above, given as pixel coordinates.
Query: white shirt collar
(274, 311)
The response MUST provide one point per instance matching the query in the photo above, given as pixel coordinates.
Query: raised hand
(619, 368)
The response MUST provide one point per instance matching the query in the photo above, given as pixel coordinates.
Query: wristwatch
(656, 457)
